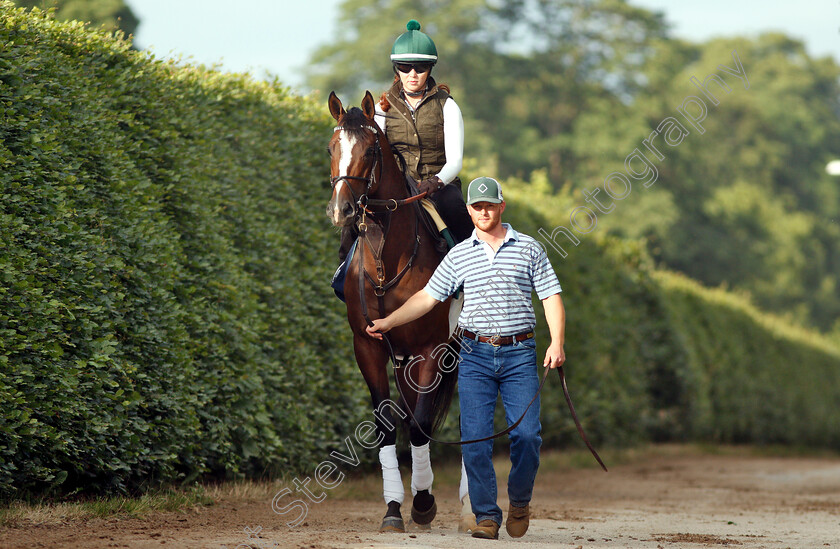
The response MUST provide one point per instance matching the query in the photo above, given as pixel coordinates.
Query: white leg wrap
(392, 486)
(421, 469)
(463, 490)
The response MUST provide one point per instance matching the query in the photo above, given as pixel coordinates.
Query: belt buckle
(494, 340)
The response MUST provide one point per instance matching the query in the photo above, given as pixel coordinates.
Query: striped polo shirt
(497, 287)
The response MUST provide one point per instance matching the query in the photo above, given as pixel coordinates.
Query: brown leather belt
(497, 340)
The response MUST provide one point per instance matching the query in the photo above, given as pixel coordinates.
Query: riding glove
(430, 186)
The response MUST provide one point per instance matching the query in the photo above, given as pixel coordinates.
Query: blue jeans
(484, 372)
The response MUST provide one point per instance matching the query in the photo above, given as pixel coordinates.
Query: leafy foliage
(155, 321)
(108, 14)
(754, 207)
(759, 379)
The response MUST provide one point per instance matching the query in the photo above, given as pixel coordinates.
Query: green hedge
(164, 302)
(758, 378)
(163, 268)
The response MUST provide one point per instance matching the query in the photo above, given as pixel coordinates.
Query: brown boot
(517, 521)
(486, 529)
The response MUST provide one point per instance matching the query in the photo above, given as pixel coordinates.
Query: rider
(424, 124)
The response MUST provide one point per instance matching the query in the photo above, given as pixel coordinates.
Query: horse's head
(354, 152)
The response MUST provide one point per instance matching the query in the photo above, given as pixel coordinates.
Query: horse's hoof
(467, 524)
(424, 517)
(392, 524)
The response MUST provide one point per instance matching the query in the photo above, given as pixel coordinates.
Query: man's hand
(430, 186)
(554, 356)
(380, 326)
(555, 315)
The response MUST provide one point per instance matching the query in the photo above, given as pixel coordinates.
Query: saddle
(431, 219)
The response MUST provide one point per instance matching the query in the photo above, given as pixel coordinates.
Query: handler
(499, 269)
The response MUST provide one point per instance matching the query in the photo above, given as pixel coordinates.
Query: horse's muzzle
(341, 212)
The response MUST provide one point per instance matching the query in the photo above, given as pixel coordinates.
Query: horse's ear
(336, 109)
(369, 106)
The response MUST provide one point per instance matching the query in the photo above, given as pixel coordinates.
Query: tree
(110, 14)
(755, 209)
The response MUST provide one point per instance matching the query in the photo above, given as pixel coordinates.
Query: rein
(392, 204)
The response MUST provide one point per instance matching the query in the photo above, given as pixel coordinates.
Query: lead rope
(574, 417)
(454, 443)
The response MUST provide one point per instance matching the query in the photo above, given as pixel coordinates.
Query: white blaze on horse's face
(346, 142)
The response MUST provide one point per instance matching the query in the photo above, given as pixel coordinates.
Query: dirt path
(668, 499)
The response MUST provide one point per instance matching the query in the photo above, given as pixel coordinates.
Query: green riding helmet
(414, 46)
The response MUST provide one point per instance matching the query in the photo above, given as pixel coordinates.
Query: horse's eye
(369, 151)
(329, 152)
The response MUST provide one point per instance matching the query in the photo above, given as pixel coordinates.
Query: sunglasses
(419, 68)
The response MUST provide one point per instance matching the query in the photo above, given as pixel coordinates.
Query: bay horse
(394, 258)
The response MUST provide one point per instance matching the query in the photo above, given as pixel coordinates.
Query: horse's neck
(399, 224)
(392, 180)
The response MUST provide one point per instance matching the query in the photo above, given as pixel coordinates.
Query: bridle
(363, 202)
(370, 180)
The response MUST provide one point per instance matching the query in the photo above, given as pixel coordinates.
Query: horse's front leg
(420, 379)
(373, 363)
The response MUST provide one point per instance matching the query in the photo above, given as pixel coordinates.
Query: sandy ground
(665, 499)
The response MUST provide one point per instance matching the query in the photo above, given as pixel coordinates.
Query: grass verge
(46, 512)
